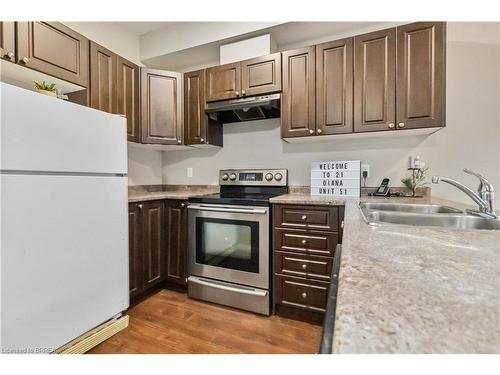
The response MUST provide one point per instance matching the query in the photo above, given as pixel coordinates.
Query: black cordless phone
(383, 189)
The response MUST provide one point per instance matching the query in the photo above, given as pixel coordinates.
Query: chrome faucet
(484, 197)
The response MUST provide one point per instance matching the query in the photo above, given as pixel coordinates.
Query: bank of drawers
(304, 242)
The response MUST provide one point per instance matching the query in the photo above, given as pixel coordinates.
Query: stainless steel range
(229, 239)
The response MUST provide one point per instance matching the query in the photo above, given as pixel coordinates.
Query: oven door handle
(253, 292)
(224, 209)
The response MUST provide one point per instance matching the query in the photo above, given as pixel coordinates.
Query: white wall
(471, 138)
(112, 36)
(144, 166)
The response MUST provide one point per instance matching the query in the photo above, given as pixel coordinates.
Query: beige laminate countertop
(405, 289)
(136, 194)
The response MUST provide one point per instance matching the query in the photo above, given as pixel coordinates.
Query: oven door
(229, 243)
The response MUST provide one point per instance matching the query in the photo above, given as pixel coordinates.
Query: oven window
(226, 243)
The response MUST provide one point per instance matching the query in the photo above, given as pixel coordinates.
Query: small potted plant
(46, 88)
(416, 180)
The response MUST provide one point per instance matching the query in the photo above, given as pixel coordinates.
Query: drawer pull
(304, 217)
(304, 242)
(304, 266)
(304, 295)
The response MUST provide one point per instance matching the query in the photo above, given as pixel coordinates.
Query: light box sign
(336, 178)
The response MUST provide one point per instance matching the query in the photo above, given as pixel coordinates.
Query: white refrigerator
(64, 221)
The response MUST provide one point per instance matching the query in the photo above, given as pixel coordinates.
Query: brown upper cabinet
(260, 75)
(375, 81)
(198, 128)
(162, 108)
(420, 75)
(223, 82)
(334, 87)
(8, 41)
(102, 78)
(114, 86)
(54, 49)
(399, 78)
(298, 112)
(127, 96)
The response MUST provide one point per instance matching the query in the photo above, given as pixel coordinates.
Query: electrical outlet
(190, 172)
(365, 167)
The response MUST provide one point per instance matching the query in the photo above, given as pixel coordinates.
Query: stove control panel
(253, 177)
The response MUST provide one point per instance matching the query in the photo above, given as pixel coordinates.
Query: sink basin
(423, 215)
(409, 207)
(432, 220)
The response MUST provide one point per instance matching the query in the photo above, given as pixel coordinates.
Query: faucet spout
(485, 198)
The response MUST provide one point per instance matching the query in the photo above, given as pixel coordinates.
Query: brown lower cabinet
(303, 257)
(176, 241)
(157, 245)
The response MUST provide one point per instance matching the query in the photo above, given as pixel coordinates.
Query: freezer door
(64, 257)
(42, 133)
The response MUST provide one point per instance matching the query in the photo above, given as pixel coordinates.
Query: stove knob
(278, 176)
(269, 176)
(225, 176)
(232, 176)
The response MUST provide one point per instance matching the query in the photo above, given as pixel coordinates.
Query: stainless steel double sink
(424, 215)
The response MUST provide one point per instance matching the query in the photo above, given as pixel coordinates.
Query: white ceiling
(284, 36)
(140, 28)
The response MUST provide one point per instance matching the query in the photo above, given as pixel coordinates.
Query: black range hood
(245, 109)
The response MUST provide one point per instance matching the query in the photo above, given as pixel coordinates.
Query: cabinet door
(374, 81)
(161, 96)
(52, 48)
(420, 75)
(261, 75)
(298, 98)
(176, 247)
(7, 41)
(153, 242)
(195, 119)
(334, 87)
(102, 78)
(223, 82)
(136, 256)
(127, 96)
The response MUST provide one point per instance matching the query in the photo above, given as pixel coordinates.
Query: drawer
(301, 293)
(314, 217)
(308, 266)
(306, 242)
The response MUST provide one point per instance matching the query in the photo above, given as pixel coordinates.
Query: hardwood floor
(170, 322)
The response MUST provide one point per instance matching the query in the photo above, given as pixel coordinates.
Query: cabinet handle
(304, 295)
(183, 205)
(304, 266)
(25, 60)
(202, 140)
(237, 93)
(401, 125)
(10, 55)
(342, 224)
(140, 206)
(319, 131)
(311, 131)
(304, 242)
(304, 217)
(243, 92)
(390, 125)
(179, 142)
